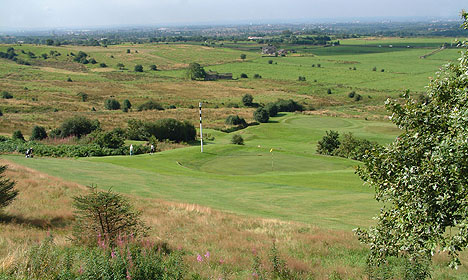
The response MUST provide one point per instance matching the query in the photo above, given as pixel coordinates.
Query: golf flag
(271, 150)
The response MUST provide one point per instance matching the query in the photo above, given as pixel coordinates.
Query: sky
(33, 14)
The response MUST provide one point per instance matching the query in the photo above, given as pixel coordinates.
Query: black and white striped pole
(201, 129)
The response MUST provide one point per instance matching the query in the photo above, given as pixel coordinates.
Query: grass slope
(292, 183)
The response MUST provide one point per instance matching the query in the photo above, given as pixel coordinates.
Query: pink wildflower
(112, 254)
(199, 258)
(207, 255)
(221, 261)
(128, 275)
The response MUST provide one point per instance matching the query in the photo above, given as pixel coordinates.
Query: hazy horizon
(55, 14)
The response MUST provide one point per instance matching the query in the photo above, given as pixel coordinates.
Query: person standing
(131, 149)
(152, 148)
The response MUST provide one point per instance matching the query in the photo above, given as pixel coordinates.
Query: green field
(292, 183)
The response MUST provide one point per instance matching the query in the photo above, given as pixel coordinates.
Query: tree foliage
(261, 115)
(105, 215)
(38, 133)
(112, 104)
(329, 143)
(78, 126)
(247, 100)
(195, 72)
(7, 193)
(422, 177)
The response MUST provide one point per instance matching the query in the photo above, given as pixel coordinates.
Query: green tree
(7, 193)
(421, 178)
(243, 56)
(237, 139)
(49, 42)
(195, 72)
(153, 67)
(38, 133)
(329, 143)
(112, 104)
(77, 126)
(261, 115)
(247, 100)
(105, 216)
(17, 135)
(138, 68)
(127, 104)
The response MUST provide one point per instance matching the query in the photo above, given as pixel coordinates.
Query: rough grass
(44, 207)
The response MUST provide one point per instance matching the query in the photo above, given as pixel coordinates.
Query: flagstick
(201, 130)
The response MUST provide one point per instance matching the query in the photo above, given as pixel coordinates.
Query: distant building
(255, 38)
(269, 50)
(282, 52)
(213, 76)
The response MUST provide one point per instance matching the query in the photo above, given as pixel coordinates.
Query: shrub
(93, 61)
(7, 193)
(1, 113)
(358, 97)
(6, 95)
(109, 139)
(153, 67)
(247, 100)
(261, 115)
(84, 96)
(237, 139)
(78, 126)
(244, 76)
(103, 65)
(69, 79)
(112, 104)
(121, 66)
(382, 70)
(301, 78)
(17, 135)
(138, 68)
(353, 148)
(319, 65)
(236, 120)
(288, 106)
(150, 105)
(374, 69)
(162, 129)
(270, 61)
(38, 133)
(329, 91)
(329, 143)
(243, 56)
(351, 94)
(128, 50)
(127, 104)
(257, 76)
(106, 216)
(272, 109)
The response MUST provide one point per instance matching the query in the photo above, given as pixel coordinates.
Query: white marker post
(201, 129)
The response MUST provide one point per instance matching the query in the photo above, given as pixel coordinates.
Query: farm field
(275, 187)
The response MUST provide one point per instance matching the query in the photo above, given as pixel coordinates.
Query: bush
(257, 76)
(112, 104)
(84, 96)
(374, 69)
(270, 61)
(243, 56)
(92, 61)
(301, 78)
(6, 95)
(17, 135)
(353, 148)
(382, 70)
(236, 120)
(162, 129)
(247, 100)
(7, 193)
(109, 139)
(105, 216)
(78, 126)
(127, 104)
(38, 133)
(329, 143)
(272, 109)
(153, 67)
(288, 106)
(121, 66)
(1, 113)
(138, 68)
(69, 79)
(351, 94)
(329, 91)
(261, 115)
(237, 139)
(150, 105)
(244, 76)
(103, 65)
(358, 97)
